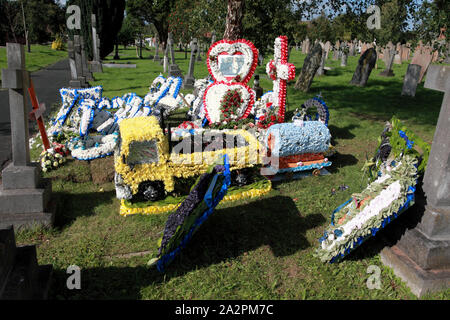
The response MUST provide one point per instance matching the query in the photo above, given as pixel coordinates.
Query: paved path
(47, 83)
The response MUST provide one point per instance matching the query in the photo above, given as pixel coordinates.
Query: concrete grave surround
(422, 255)
(21, 278)
(24, 195)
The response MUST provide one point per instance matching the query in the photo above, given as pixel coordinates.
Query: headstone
(344, 55)
(165, 60)
(213, 37)
(336, 50)
(84, 64)
(405, 53)
(24, 195)
(307, 45)
(174, 70)
(327, 49)
(321, 70)
(365, 65)
(309, 69)
(422, 255)
(199, 52)
(156, 58)
(77, 79)
(96, 64)
(257, 88)
(411, 80)
(423, 58)
(189, 80)
(364, 48)
(351, 51)
(389, 55)
(398, 55)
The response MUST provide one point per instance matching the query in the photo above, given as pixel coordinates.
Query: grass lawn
(39, 57)
(250, 249)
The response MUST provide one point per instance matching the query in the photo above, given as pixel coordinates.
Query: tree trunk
(233, 28)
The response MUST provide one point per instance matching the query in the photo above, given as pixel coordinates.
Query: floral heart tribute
(216, 107)
(232, 61)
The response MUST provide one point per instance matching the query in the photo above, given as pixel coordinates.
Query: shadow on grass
(341, 160)
(341, 133)
(74, 205)
(226, 235)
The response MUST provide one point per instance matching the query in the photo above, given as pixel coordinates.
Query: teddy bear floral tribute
(393, 173)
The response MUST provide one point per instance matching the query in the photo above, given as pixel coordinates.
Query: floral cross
(280, 71)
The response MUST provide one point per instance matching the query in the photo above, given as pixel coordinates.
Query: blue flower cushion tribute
(297, 146)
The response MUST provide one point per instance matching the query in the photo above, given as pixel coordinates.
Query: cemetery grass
(250, 249)
(40, 57)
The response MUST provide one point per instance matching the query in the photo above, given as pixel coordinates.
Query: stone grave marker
(365, 65)
(84, 63)
(156, 58)
(309, 69)
(174, 70)
(199, 52)
(398, 55)
(24, 195)
(327, 49)
(364, 48)
(19, 281)
(321, 70)
(405, 53)
(96, 63)
(389, 55)
(411, 80)
(189, 80)
(422, 255)
(257, 88)
(423, 58)
(77, 79)
(307, 45)
(213, 37)
(336, 50)
(344, 55)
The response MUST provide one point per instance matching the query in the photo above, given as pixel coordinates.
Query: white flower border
(243, 46)
(214, 94)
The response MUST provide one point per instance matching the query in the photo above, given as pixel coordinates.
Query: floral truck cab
(148, 163)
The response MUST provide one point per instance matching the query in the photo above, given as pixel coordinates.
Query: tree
(430, 20)
(130, 29)
(44, 19)
(233, 26)
(109, 17)
(154, 12)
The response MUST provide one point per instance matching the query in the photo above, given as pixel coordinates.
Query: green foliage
(154, 12)
(429, 20)
(109, 15)
(131, 28)
(43, 19)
